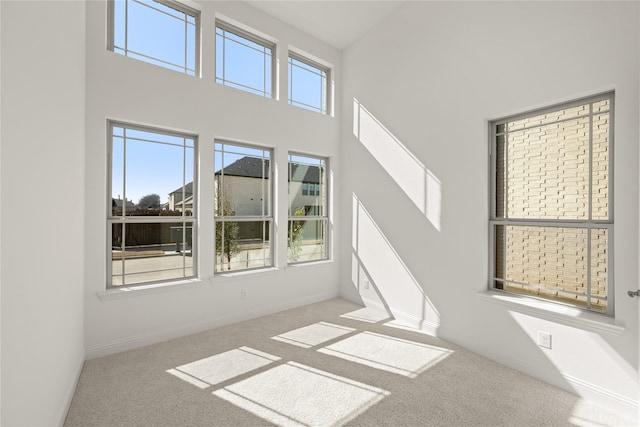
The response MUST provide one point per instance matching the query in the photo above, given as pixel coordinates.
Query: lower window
(242, 207)
(308, 213)
(151, 219)
(551, 220)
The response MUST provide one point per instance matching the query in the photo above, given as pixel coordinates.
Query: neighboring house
(116, 206)
(245, 187)
(176, 202)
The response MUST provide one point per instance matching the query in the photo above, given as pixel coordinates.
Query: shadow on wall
(418, 183)
(382, 278)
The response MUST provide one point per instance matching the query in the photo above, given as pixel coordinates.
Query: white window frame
(588, 224)
(141, 56)
(266, 215)
(124, 219)
(269, 84)
(324, 73)
(324, 218)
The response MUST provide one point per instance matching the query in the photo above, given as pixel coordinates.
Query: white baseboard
(623, 405)
(129, 343)
(404, 318)
(72, 390)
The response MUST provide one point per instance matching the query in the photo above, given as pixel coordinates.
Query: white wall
(42, 194)
(129, 90)
(426, 81)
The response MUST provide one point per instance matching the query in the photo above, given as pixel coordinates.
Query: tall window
(244, 60)
(242, 202)
(161, 32)
(551, 216)
(151, 217)
(308, 84)
(308, 214)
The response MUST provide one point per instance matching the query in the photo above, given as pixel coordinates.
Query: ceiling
(335, 22)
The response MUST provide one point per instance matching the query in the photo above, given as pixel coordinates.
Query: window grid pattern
(307, 84)
(134, 33)
(242, 211)
(308, 213)
(152, 242)
(243, 61)
(551, 217)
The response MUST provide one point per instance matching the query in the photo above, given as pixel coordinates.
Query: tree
(150, 201)
(294, 234)
(226, 231)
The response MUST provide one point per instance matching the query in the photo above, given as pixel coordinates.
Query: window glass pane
(306, 240)
(307, 86)
(243, 63)
(549, 262)
(118, 205)
(155, 33)
(599, 269)
(158, 174)
(307, 181)
(242, 186)
(548, 171)
(600, 189)
(149, 252)
(242, 245)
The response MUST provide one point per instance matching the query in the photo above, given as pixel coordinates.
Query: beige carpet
(331, 363)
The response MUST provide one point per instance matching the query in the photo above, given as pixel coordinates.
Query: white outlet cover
(544, 339)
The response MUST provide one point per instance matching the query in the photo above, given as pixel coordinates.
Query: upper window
(308, 215)
(151, 217)
(161, 32)
(244, 60)
(242, 207)
(551, 216)
(307, 84)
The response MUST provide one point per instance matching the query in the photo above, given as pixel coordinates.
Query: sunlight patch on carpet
(212, 370)
(366, 315)
(294, 394)
(387, 353)
(312, 335)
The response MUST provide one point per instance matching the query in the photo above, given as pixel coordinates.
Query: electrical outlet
(366, 283)
(544, 339)
(243, 294)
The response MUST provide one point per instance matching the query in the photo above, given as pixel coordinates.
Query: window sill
(242, 273)
(558, 313)
(131, 291)
(305, 264)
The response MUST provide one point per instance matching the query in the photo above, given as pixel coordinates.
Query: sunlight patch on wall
(422, 187)
(222, 367)
(390, 280)
(312, 335)
(387, 353)
(296, 394)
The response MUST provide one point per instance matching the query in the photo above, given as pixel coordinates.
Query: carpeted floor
(330, 363)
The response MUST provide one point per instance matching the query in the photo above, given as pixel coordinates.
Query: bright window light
(161, 32)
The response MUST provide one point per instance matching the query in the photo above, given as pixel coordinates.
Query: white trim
(121, 292)
(153, 337)
(555, 312)
(404, 318)
(623, 405)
